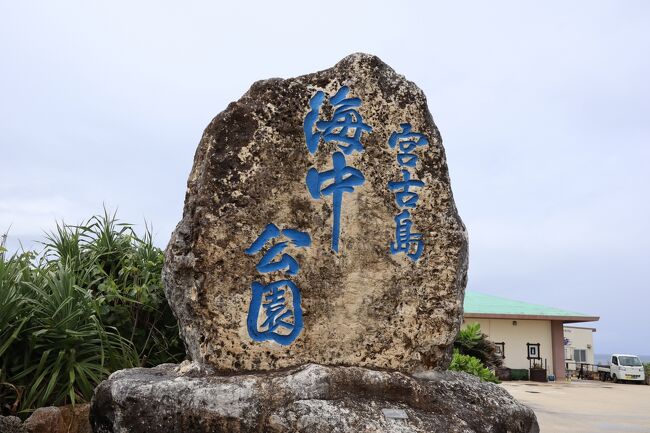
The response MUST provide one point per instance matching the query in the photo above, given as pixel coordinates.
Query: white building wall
(515, 338)
(579, 338)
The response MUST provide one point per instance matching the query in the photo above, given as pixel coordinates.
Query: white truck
(622, 368)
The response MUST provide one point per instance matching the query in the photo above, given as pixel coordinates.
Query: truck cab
(626, 367)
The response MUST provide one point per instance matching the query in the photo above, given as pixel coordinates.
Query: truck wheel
(614, 379)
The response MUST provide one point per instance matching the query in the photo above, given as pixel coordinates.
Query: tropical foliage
(471, 341)
(91, 302)
(475, 354)
(472, 365)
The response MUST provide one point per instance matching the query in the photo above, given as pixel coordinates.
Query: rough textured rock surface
(45, 420)
(311, 399)
(63, 419)
(362, 306)
(11, 424)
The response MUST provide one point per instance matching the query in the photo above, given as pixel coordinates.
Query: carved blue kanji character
(270, 317)
(406, 242)
(344, 179)
(313, 138)
(407, 141)
(266, 263)
(345, 128)
(404, 197)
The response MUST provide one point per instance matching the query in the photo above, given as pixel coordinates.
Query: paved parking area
(586, 406)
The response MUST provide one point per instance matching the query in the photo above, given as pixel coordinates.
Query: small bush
(472, 365)
(91, 303)
(519, 374)
(471, 341)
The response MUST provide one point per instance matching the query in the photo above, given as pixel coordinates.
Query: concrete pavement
(586, 406)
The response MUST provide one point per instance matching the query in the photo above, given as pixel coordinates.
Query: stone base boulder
(311, 399)
(11, 424)
(59, 419)
(50, 419)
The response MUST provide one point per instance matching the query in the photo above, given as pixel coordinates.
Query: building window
(501, 349)
(533, 351)
(568, 353)
(580, 355)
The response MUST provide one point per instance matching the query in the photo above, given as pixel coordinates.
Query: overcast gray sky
(544, 110)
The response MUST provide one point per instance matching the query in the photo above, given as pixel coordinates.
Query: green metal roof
(479, 304)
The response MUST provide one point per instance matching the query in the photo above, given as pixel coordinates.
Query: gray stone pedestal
(311, 399)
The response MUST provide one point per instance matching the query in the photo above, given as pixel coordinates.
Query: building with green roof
(525, 333)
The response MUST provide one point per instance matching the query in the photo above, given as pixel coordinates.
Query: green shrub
(65, 349)
(123, 271)
(471, 341)
(15, 312)
(90, 304)
(519, 374)
(472, 365)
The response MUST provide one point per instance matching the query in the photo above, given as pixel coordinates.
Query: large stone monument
(330, 190)
(318, 272)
